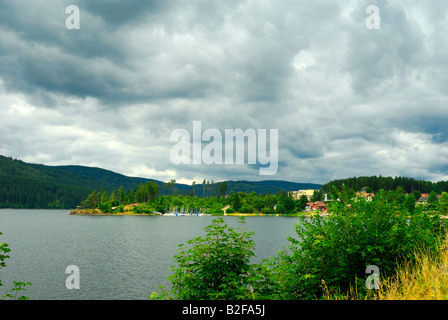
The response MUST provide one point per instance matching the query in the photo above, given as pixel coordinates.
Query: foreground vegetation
(18, 285)
(328, 256)
(424, 278)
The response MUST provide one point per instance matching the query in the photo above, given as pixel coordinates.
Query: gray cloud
(346, 100)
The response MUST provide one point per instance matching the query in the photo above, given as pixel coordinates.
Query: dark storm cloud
(187, 50)
(122, 13)
(389, 54)
(346, 100)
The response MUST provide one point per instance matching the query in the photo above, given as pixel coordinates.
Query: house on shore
(318, 205)
(423, 198)
(366, 195)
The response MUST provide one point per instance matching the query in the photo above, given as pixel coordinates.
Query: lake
(119, 257)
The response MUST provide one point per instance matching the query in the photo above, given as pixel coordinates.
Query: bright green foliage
(444, 203)
(18, 286)
(432, 197)
(432, 201)
(215, 267)
(246, 208)
(334, 250)
(358, 233)
(229, 210)
(3, 255)
(301, 203)
(410, 202)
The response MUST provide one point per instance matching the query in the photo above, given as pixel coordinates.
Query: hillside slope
(27, 185)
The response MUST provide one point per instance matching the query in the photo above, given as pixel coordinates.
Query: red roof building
(365, 195)
(318, 205)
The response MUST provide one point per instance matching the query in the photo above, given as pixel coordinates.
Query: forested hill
(272, 186)
(375, 183)
(26, 185)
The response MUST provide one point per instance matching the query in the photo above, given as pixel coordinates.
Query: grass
(424, 279)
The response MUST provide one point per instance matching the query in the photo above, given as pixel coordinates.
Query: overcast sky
(347, 100)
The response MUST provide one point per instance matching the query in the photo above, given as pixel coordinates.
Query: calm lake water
(119, 257)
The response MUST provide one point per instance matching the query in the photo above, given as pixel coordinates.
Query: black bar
(222, 309)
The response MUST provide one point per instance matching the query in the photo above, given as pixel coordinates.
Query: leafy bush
(142, 209)
(426, 279)
(215, 267)
(268, 210)
(358, 233)
(230, 210)
(329, 254)
(280, 208)
(246, 208)
(106, 207)
(4, 249)
(18, 285)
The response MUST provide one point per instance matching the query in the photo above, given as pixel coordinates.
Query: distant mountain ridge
(375, 183)
(272, 186)
(30, 185)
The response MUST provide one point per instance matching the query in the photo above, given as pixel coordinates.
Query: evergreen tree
(121, 194)
(410, 202)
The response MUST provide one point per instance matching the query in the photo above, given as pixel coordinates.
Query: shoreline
(97, 212)
(273, 215)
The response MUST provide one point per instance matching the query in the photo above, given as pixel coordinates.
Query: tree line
(20, 192)
(374, 184)
(147, 197)
(205, 189)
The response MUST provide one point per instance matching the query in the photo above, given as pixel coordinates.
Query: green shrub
(215, 267)
(328, 254)
(18, 285)
(4, 249)
(230, 210)
(268, 210)
(280, 208)
(106, 207)
(358, 233)
(246, 208)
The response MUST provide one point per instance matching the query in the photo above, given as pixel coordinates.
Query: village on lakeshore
(314, 201)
